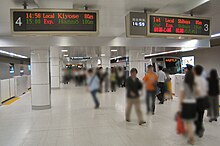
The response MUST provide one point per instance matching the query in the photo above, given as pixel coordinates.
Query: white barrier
(14, 87)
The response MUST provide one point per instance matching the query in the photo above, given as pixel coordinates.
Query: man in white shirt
(202, 91)
(161, 83)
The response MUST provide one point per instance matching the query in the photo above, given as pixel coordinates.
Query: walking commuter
(133, 86)
(113, 80)
(202, 90)
(188, 105)
(106, 79)
(161, 83)
(213, 81)
(150, 80)
(93, 86)
(168, 85)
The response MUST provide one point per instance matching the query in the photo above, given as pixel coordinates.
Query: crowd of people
(199, 92)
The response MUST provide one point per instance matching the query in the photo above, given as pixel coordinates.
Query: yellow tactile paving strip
(11, 101)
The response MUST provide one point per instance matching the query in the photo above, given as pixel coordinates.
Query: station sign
(49, 21)
(136, 24)
(177, 26)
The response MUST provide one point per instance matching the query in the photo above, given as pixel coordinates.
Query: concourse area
(72, 121)
(109, 73)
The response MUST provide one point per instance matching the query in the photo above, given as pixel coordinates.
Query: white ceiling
(112, 21)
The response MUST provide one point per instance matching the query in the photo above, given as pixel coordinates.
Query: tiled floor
(72, 121)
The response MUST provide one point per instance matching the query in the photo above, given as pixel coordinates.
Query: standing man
(161, 83)
(93, 86)
(133, 86)
(150, 80)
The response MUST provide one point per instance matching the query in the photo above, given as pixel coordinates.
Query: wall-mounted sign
(39, 21)
(136, 24)
(171, 25)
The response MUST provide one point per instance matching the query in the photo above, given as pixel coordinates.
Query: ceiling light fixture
(65, 55)
(215, 35)
(64, 50)
(102, 55)
(114, 50)
(12, 54)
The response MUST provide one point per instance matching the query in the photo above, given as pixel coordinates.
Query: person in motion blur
(213, 81)
(106, 79)
(100, 76)
(133, 86)
(188, 68)
(168, 85)
(113, 79)
(93, 84)
(150, 80)
(188, 105)
(120, 75)
(161, 83)
(202, 90)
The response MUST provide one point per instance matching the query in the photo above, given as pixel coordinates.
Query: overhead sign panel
(136, 24)
(168, 25)
(39, 21)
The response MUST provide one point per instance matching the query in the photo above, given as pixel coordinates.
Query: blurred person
(161, 83)
(188, 105)
(188, 68)
(133, 86)
(168, 85)
(202, 90)
(120, 76)
(150, 80)
(113, 79)
(106, 79)
(213, 81)
(100, 76)
(93, 84)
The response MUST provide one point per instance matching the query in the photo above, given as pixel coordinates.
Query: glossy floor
(72, 121)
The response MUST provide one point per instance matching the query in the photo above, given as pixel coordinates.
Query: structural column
(40, 79)
(55, 67)
(136, 60)
(105, 57)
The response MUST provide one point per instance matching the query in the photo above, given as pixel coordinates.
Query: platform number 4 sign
(19, 21)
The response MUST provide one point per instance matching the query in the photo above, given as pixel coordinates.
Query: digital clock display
(54, 21)
(178, 26)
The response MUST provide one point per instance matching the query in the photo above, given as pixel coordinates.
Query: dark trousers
(96, 101)
(113, 86)
(200, 114)
(161, 86)
(199, 121)
(150, 101)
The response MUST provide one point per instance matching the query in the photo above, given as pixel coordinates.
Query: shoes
(141, 123)
(153, 113)
(128, 120)
(97, 106)
(160, 102)
(201, 133)
(191, 141)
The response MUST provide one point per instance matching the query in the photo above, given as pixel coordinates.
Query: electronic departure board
(39, 21)
(166, 25)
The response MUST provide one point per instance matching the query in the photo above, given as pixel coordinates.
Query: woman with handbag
(213, 111)
(188, 105)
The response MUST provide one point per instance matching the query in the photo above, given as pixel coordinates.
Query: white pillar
(40, 79)
(105, 57)
(55, 67)
(136, 60)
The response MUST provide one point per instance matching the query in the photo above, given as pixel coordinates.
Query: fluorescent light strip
(215, 35)
(65, 55)
(64, 50)
(169, 52)
(12, 54)
(116, 57)
(114, 50)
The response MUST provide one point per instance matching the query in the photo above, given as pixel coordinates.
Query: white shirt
(201, 86)
(161, 76)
